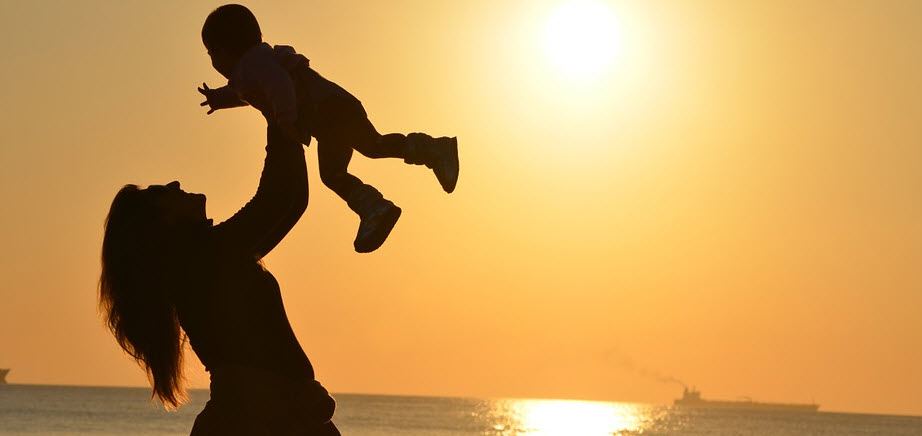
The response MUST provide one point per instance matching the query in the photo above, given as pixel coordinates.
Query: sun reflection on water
(567, 418)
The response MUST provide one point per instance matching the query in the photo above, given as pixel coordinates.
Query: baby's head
(228, 32)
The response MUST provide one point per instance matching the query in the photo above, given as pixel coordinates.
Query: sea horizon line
(464, 397)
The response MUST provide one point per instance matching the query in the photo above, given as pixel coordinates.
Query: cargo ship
(691, 398)
(3, 373)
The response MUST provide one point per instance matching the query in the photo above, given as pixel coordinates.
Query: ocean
(60, 410)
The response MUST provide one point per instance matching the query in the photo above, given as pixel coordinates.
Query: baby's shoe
(439, 154)
(378, 217)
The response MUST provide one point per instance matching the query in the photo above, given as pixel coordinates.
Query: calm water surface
(53, 410)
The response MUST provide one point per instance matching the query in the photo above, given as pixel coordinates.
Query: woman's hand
(291, 131)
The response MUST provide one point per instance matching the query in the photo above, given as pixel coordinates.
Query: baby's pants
(341, 126)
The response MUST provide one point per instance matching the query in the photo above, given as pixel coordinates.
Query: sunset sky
(722, 192)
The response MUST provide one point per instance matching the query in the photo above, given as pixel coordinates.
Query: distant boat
(692, 398)
(3, 373)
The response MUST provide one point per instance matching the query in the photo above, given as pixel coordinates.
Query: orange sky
(734, 201)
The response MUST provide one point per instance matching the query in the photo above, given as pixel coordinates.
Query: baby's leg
(333, 163)
(378, 215)
(440, 154)
(354, 128)
(364, 138)
(347, 122)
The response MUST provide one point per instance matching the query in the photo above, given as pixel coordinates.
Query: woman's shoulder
(207, 264)
(214, 248)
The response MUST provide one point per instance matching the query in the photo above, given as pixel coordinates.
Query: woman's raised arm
(279, 202)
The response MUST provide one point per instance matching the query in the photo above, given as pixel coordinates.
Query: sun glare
(581, 38)
(567, 418)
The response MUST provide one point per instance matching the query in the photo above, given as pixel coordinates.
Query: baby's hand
(221, 98)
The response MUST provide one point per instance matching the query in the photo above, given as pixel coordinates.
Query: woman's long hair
(136, 289)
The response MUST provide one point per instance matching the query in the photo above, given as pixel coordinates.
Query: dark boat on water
(691, 398)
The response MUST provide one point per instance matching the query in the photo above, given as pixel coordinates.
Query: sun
(581, 38)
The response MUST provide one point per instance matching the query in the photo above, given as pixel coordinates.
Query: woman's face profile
(179, 206)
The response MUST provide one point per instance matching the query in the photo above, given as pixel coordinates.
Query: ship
(3, 373)
(691, 398)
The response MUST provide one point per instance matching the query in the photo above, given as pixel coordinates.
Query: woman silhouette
(169, 275)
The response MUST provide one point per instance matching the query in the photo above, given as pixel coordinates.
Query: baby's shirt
(265, 79)
(261, 81)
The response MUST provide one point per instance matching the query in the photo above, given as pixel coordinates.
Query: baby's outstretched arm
(220, 98)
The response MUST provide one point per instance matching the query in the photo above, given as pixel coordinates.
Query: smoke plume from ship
(626, 363)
